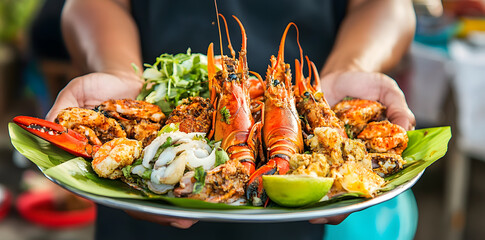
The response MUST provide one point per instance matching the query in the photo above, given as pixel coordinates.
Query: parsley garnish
(225, 115)
(199, 179)
(348, 130)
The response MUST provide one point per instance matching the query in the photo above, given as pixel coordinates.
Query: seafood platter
(205, 130)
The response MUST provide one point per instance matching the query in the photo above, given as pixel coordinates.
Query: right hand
(92, 89)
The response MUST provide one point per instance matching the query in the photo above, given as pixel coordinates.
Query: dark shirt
(174, 26)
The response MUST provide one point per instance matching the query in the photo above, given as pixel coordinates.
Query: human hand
(371, 86)
(90, 90)
(181, 223)
(334, 220)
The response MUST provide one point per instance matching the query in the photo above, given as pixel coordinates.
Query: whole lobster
(233, 122)
(282, 135)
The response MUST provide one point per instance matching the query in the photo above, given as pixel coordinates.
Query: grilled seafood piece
(356, 113)
(350, 164)
(312, 105)
(224, 184)
(354, 177)
(95, 126)
(140, 119)
(386, 164)
(384, 137)
(282, 137)
(337, 149)
(131, 109)
(314, 164)
(114, 155)
(194, 114)
(329, 142)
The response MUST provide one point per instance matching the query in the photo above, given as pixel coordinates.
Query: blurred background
(443, 77)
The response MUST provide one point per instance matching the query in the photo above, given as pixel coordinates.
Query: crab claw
(254, 190)
(56, 134)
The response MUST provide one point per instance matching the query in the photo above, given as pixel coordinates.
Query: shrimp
(356, 113)
(384, 137)
(114, 155)
(132, 109)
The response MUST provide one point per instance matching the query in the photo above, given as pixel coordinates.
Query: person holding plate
(353, 42)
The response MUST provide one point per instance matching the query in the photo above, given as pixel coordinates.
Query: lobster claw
(56, 134)
(254, 190)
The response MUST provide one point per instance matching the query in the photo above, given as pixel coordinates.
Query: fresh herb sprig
(225, 115)
(175, 77)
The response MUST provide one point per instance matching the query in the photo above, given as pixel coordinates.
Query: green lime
(296, 190)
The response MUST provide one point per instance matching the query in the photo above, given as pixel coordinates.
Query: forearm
(101, 36)
(373, 37)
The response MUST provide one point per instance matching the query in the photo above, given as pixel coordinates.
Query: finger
(402, 117)
(398, 111)
(162, 220)
(64, 100)
(333, 220)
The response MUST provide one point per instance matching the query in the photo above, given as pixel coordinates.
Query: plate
(76, 175)
(243, 215)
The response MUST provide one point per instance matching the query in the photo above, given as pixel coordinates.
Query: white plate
(243, 215)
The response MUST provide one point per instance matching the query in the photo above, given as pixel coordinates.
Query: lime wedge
(296, 190)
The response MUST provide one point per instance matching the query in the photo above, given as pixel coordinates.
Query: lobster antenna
(233, 53)
(220, 35)
(242, 66)
(317, 77)
(282, 47)
(309, 79)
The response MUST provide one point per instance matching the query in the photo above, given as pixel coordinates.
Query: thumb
(64, 100)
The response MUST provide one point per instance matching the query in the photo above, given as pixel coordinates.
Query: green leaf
(162, 147)
(147, 174)
(127, 171)
(348, 131)
(78, 173)
(37, 150)
(199, 179)
(225, 115)
(172, 127)
(425, 147)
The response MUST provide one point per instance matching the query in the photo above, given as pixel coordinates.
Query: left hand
(372, 86)
(334, 220)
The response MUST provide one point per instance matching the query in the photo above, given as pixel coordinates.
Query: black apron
(173, 27)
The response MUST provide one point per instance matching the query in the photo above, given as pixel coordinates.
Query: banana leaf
(425, 147)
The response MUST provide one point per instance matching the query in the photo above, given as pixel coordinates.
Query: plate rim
(237, 215)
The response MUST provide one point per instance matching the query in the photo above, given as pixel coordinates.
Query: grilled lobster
(233, 122)
(282, 136)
